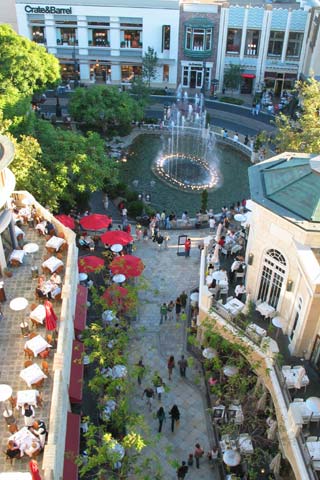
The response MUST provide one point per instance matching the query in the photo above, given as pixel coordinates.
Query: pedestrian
(183, 363)
(187, 247)
(212, 223)
(178, 309)
(175, 417)
(171, 365)
(161, 417)
(145, 234)
(163, 219)
(163, 313)
(213, 455)
(239, 291)
(170, 309)
(141, 370)
(160, 240)
(183, 299)
(198, 453)
(28, 414)
(190, 460)
(165, 241)
(246, 140)
(159, 385)
(149, 393)
(182, 471)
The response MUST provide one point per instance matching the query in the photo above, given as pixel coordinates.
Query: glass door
(199, 79)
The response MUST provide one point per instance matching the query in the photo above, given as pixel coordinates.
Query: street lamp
(204, 77)
(75, 65)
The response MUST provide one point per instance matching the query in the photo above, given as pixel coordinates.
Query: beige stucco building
(8, 13)
(284, 246)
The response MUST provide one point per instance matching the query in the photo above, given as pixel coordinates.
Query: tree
(303, 134)
(149, 65)
(105, 109)
(140, 91)
(25, 68)
(232, 77)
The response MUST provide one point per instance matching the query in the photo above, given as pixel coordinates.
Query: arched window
(272, 277)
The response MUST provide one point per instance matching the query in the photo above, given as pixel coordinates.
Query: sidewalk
(167, 276)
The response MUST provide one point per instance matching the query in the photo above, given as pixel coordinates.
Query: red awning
(248, 75)
(76, 372)
(70, 469)
(80, 316)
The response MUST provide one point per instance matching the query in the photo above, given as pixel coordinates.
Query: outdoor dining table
(314, 450)
(235, 414)
(27, 396)
(295, 378)
(24, 439)
(17, 255)
(265, 309)
(218, 411)
(243, 442)
(38, 314)
(234, 306)
(37, 345)
(299, 412)
(32, 374)
(53, 263)
(256, 332)
(55, 243)
(18, 231)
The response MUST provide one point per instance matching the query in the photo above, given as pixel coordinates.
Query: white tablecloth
(18, 231)
(53, 263)
(295, 378)
(314, 450)
(24, 438)
(265, 309)
(245, 444)
(234, 306)
(55, 242)
(17, 255)
(42, 227)
(32, 374)
(37, 345)
(300, 413)
(38, 314)
(255, 332)
(218, 411)
(27, 396)
(238, 418)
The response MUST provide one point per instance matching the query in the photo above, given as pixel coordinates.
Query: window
(233, 40)
(166, 30)
(131, 35)
(272, 277)
(128, 72)
(198, 39)
(67, 36)
(275, 43)
(165, 77)
(98, 38)
(294, 44)
(297, 317)
(252, 42)
(38, 34)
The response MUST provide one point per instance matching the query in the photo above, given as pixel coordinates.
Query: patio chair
(28, 353)
(28, 363)
(13, 428)
(45, 367)
(240, 275)
(38, 384)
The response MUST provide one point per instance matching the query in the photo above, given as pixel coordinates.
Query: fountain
(187, 160)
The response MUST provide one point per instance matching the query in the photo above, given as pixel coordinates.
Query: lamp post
(204, 77)
(75, 65)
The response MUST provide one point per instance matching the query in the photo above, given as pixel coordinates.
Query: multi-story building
(102, 40)
(311, 65)
(8, 13)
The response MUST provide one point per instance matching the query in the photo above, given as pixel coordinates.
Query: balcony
(55, 390)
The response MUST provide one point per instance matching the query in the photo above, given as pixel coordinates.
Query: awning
(80, 316)
(248, 75)
(76, 372)
(70, 469)
(198, 22)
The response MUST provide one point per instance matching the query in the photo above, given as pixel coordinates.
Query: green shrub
(234, 101)
(131, 196)
(135, 208)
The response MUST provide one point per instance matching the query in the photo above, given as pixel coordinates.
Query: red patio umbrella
(51, 317)
(66, 220)
(90, 263)
(128, 265)
(116, 236)
(114, 294)
(96, 221)
(34, 469)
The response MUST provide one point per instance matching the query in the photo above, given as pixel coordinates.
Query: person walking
(198, 453)
(170, 309)
(175, 416)
(161, 417)
(178, 309)
(28, 414)
(141, 370)
(183, 363)
(149, 393)
(182, 471)
(239, 291)
(158, 385)
(171, 365)
(183, 299)
(187, 247)
(163, 313)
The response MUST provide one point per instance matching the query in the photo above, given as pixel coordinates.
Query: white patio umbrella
(232, 458)
(218, 233)
(209, 353)
(313, 403)
(275, 464)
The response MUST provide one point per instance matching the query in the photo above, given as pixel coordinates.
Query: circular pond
(229, 169)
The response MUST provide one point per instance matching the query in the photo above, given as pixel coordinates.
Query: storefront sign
(47, 9)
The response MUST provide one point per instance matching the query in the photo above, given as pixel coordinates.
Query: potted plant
(122, 44)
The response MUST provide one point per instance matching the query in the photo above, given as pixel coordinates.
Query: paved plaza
(167, 276)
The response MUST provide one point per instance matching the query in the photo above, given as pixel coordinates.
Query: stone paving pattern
(168, 275)
(12, 359)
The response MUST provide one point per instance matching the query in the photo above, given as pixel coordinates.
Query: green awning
(200, 22)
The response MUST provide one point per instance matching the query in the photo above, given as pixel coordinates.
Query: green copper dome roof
(294, 185)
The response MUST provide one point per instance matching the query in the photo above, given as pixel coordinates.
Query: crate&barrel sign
(48, 9)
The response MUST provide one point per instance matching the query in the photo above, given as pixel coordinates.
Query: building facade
(100, 41)
(8, 13)
(311, 64)
(284, 246)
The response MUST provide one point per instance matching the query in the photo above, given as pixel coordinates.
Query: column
(244, 33)
(82, 35)
(51, 36)
(84, 71)
(115, 36)
(116, 73)
(286, 38)
(303, 56)
(222, 44)
(264, 42)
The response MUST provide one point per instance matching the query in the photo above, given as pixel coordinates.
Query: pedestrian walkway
(168, 275)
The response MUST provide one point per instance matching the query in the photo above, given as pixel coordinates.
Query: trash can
(24, 329)
(34, 272)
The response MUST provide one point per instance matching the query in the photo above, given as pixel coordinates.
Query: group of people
(177, 308)
(49, 288)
